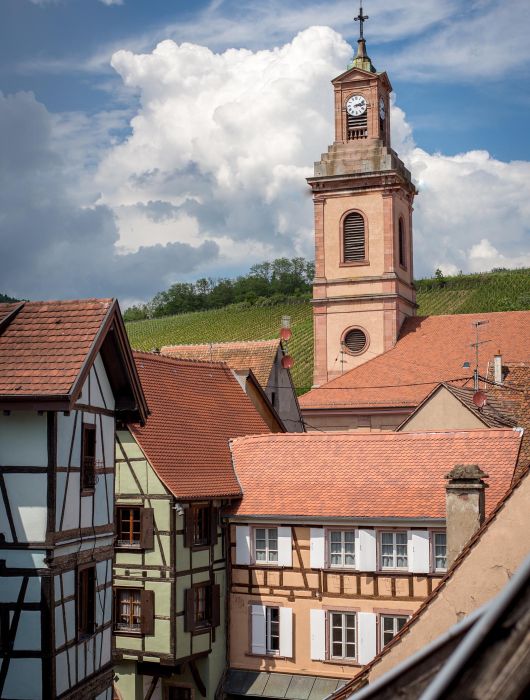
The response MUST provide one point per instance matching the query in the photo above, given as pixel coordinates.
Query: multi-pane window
(272, 630)
(129, 527)
(88, 457)
(440, 551)
(342, 548)
(266, 544)
(128, 609)
(203, 605)
(390, 626)
(86, 601)
(342, 642)
(201, 524)
(394, 550)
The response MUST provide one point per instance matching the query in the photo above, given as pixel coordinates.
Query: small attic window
(355, 341)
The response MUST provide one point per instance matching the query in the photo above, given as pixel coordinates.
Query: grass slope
(495, 291)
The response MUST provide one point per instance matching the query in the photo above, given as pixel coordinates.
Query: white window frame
(343, 553)
(268, 551)
(394, 617)
(344, 629)
(394, 566)
(269, 630)
(435, 568)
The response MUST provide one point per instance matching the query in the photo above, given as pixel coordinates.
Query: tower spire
(361, 59)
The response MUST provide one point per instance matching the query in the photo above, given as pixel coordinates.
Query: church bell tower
(363, 196)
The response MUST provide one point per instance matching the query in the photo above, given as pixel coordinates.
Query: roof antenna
(477, 345)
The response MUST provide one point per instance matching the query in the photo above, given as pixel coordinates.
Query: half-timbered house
(173, 476)
(336, 542)
(66, 375)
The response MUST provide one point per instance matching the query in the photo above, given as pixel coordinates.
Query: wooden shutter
(366, 636)
(317, 548)
(318, 634)
(214, 516)
(242, 545)
(258, 629)
(216, 604)
(354, 237)
(286, 632)
(189, 610)
(367, 551)
(188, 527)
(285, 547)
(147, 601)
(147, 534)
(418, 551)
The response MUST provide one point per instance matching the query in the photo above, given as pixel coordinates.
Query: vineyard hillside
(507, 290)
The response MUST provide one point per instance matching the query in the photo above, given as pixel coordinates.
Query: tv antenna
(477, 345)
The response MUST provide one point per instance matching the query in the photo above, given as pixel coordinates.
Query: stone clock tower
(363, 195)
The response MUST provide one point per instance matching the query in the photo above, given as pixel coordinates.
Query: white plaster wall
(27, 494)
(104, 500)
(28, 631)
(157, 695)
(105, 695)
(87, 504)
(10, 588)
(23, 559)
(70, 482)
(106, 392)
(61, 673)
(69, 455)
(23, 439)
(24, 680)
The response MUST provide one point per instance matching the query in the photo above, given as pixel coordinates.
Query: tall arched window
(401, 244)
(353, 238)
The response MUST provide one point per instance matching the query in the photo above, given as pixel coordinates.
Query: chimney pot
(465, 506)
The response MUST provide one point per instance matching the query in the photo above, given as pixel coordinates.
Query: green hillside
(495, 291)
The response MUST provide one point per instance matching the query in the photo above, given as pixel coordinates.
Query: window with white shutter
(367, 550)
(318, 634)
(341, 545)
(394, 549)
(367, 636)
(285, 547)
(317, 548)
(353, 238)
(343, 635)
(419, 551)
(258, 629)
(242, 545)
(286, 632)
(439, 546)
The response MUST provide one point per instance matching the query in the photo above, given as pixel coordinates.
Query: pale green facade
(167, 569)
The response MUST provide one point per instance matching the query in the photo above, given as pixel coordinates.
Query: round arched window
(355, 341)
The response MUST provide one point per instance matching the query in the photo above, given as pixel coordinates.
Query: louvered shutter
(258, 627)
(147, 535)
(188, 527)
(189, 610)
(147, 619)
(318, 634)
(354, 237)
(317, 548)
(216, 604)
(285, 547)
(243, 545)
(367, 550)
(286, 632)
(418, 551)
(367, 637)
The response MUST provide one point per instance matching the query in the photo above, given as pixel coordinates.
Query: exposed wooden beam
(197, 677)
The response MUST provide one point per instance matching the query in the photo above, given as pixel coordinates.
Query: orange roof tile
(44, 345)
(366, 475)
(196, 407)
(429, 350)
(257, 355)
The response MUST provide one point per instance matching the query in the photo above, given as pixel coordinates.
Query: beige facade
(353, 421)
(442, 411)
(305, 584)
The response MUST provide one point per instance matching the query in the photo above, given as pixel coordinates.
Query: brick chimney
(465, 506)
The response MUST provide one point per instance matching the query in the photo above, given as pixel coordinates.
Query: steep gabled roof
(429, 350)
(366, 475)
(48, 347)
(257, 355)
(196, 407)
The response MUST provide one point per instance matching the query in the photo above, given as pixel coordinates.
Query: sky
(145, 142)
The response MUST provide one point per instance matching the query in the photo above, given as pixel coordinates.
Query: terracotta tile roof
(44, 345)
(430, 350)
(366, 475)
(258, 355)
(196, 407)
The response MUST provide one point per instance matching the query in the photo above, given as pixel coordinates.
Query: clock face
(382, 110)
(356, 105)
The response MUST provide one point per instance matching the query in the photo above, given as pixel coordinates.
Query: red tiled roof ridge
(154, 356)
(100, 300)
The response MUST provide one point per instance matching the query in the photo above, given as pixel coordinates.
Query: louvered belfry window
(355, 341)
(354, 238)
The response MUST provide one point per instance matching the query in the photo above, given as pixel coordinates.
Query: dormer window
(353, 238)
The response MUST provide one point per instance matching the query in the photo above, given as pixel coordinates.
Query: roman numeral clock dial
(356, 105)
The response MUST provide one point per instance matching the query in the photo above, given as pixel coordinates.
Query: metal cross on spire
(361, 19)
